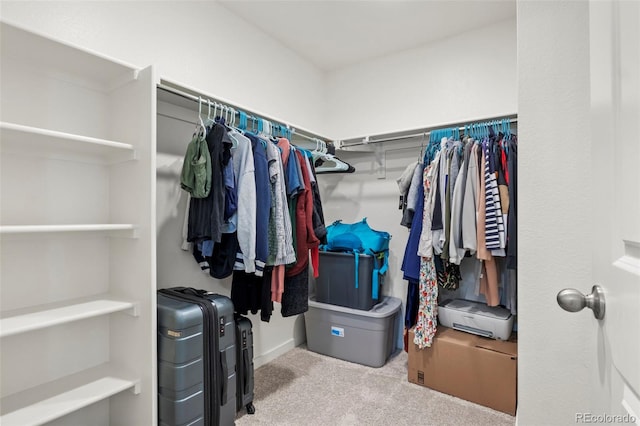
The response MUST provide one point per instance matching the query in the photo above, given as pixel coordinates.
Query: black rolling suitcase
(244, 364)
(196, 358)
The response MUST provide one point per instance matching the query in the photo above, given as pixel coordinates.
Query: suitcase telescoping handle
(192, 291)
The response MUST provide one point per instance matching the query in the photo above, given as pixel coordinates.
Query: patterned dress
(428, 291)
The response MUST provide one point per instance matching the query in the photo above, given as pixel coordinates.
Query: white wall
(556, 348)
(199, 44)
(468, 77)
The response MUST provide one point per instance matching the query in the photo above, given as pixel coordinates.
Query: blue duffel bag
(360, 238)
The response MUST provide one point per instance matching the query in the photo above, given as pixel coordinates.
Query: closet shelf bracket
(381, 162)
(137, 388)
(134, 310)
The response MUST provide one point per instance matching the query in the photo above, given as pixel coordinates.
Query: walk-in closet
(402, 199)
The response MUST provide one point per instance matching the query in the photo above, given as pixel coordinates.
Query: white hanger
(215, 111)
(210, 119)
(201, 130)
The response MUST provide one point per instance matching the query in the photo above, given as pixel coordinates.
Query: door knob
(572, 300)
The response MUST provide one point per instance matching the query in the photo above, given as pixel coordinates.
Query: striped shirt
(494, 226)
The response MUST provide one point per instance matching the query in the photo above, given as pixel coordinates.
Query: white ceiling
(333, 34)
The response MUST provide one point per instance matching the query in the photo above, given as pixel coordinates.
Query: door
(579, 210)
(615, 118)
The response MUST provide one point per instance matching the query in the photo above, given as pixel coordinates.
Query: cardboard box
(467, 366)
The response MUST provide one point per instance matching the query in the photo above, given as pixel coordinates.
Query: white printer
(476, 318)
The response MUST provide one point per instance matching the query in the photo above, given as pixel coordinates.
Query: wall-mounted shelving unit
(77, 235)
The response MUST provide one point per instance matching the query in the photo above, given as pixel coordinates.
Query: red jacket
(305, 237)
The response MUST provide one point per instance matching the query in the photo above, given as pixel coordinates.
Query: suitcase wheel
(250, 408)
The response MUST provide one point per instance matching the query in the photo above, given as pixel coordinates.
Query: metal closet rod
(207, 101)
(340, 144)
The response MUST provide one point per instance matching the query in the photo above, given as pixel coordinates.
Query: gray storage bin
(336, 281)
(363, 337)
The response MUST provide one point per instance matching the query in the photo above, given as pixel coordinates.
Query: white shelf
(35, 141)
(64, 61)
(124, 230)
(85, 122)
(55, 399)
(31, 319)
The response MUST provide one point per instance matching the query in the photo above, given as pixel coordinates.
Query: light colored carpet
(305, 388)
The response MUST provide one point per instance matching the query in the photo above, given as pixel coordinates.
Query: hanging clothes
(426, 323)
(512, 246)
(425, 246)
(254, 211)
(263, 201)
(296, 287)
(319, 228)
(278, 275)
(468, 197)
(411, 260)
(249, 280)
(276, 231)
(489, 275)
(252, 293)
(223, 256)
(494, 227)
(195, 177)
(206, 215)
(456, 250)
(411, 266)
(295, 298)
(304, 234)
(243, 221)
(469, 221)
(408, 184)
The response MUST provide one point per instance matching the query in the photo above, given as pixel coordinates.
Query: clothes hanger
(217, 116)
(262, 125)
(232, 116)
(421, 147)
(328, 163)
(210, 120)
(243, 120)
(320, 151)
(201, 130)
(277, 132)
(331, 164)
